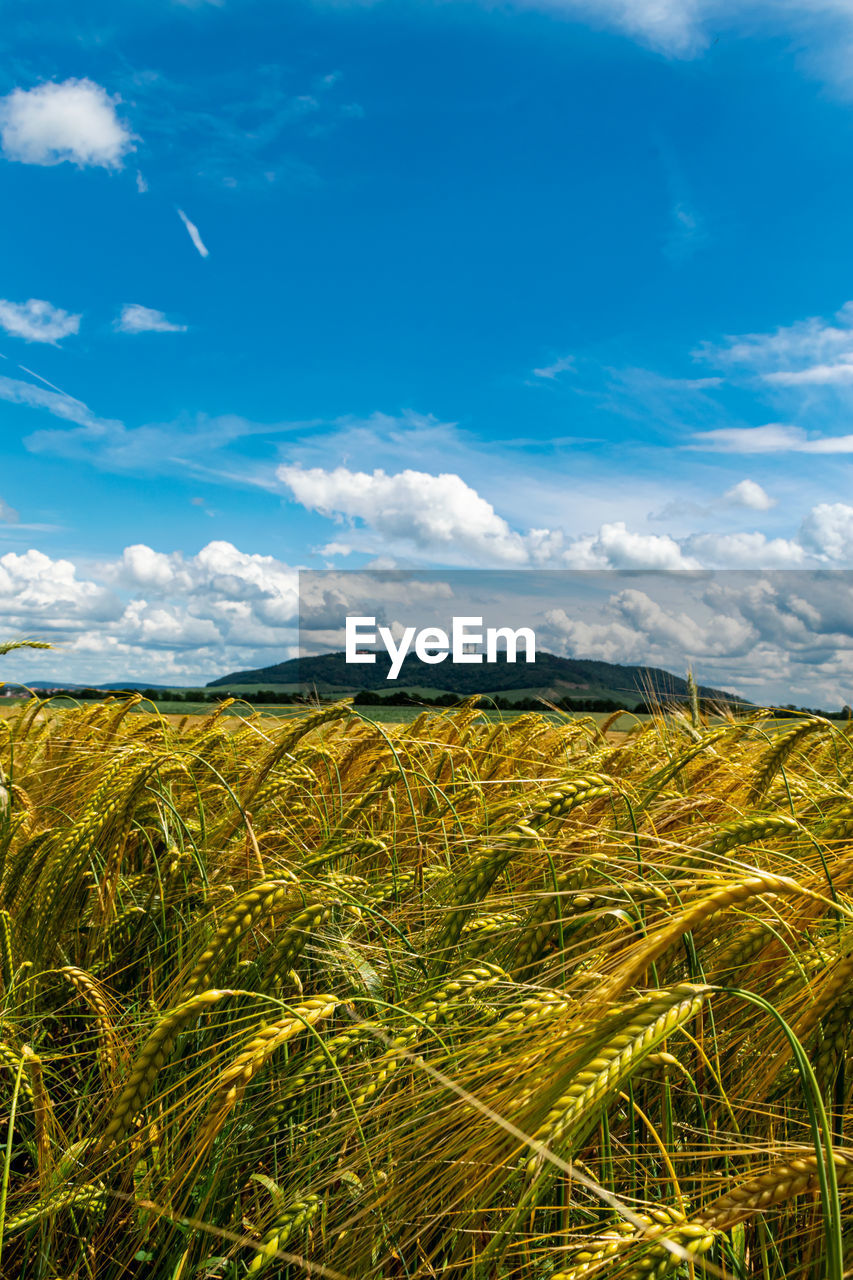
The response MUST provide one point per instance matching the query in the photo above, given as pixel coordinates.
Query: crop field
(391, 714)
(317, 996)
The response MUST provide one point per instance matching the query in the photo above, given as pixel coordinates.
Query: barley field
(321, 997)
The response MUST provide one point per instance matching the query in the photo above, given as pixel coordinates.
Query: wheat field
(324, 997)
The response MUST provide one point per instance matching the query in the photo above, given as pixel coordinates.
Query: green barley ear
(646, 1258)
(244, 913)
(693, 697)
(88, 1197)
(7, 963)
(782, 747)
(154, 1054)
(656, 1017)
(295, 1217)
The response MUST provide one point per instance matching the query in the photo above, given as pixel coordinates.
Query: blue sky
(552, 285)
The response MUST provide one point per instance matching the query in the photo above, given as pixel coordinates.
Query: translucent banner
(781, 638)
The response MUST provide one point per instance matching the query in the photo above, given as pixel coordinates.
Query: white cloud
(617, 547)
(36, 591)
(673, 26)
(666, 627)
(745, 550)
(8, 515)
(149, 614)
(827, 531)
(684, 28)
(746, 493)
(194, 234)
(575, 637)
(634, 627)
(141, 566)
(335, 549)
(138, 319)
(55, 402)
(774, 437)
(219, 572)
(108, 443)
(687, 233)
(819, 375)
(75, 120)
(432, 512)
(166, 627)
(811, 352)
(37, 320)
(551, 371)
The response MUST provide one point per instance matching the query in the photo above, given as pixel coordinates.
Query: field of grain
(323, 997)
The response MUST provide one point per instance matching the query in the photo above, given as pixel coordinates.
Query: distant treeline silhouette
(402, 698)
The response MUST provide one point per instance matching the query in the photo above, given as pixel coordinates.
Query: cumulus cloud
(746, 493)
(615, 546)
(194, 234)
(432, 512)
(219, 572)
(152, 615)
(669, 627)
(827, 531)
(780, 636)
(135, 318)
(744, 550)
(142, 566)
(576, 637)
(649, 627)
(75, 120)
(36, 590)
(37, 320)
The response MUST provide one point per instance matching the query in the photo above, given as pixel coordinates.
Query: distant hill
(115, 685)
(549, 675)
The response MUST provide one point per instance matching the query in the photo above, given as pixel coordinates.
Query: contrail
(52, 385)
(194, 235)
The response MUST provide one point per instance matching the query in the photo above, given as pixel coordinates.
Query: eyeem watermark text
(468, 641)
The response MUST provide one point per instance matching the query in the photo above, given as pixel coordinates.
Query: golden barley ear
(7, 646)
